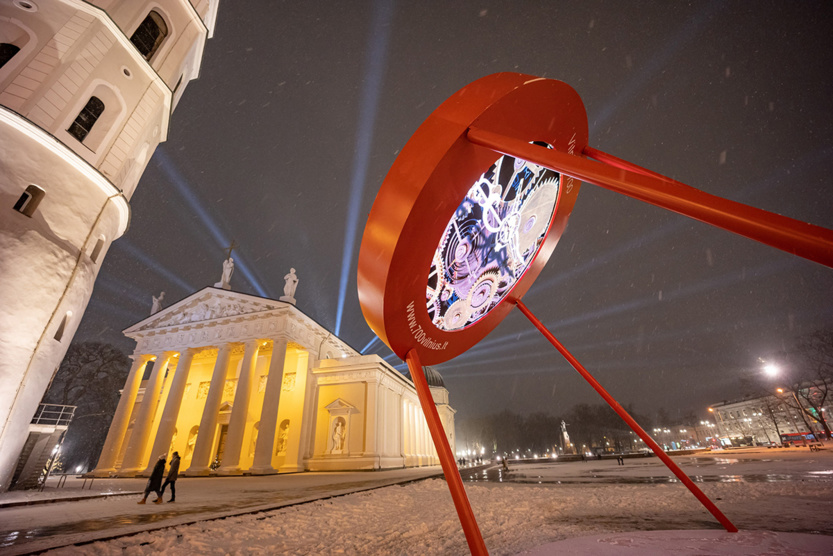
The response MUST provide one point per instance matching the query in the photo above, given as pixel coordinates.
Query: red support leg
(449, 465)
(630, 421)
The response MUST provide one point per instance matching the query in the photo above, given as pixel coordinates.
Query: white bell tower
(86, 93)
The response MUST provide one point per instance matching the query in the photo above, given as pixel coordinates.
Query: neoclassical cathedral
(243, 384)
(87, 88)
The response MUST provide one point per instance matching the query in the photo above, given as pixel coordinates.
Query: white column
(262, 464)
(383, 443)
(400, 445)
(167, 423)
(423, 449)
(412, 449)
(240, 412)
(405, 441)
(371, 418)
(136, 456)
(121, 419)
(208, 422)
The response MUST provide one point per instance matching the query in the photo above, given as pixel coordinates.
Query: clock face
(490, 241)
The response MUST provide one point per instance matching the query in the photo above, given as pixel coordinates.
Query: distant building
(86, 93)
(764, 420)
(244, 384)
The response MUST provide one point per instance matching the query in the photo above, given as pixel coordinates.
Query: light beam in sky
(152, 264)
(370, 343)
(654, 66)
(492, 347)
(374, 64)
(122, 289)
(181, 186)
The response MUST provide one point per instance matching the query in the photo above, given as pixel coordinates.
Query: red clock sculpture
(470, 212)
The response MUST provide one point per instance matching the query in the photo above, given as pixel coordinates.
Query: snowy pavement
(780, 499)
(40, 526)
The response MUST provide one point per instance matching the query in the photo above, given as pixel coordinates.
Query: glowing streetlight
(771, 370)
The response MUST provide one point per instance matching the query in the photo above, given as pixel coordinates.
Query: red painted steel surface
(426, 184)
(452, 476)
(709, 505)
(793, 236)
(503, 113)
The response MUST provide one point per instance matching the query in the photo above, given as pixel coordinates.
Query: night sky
(302, 107)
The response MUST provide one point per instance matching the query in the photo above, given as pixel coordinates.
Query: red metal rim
(426, 184)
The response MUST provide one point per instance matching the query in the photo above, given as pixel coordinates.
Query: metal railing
(53, 414)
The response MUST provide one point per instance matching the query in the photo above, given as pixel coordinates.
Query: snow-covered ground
(777, 490)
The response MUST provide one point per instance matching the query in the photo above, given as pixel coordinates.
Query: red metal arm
(799, 238)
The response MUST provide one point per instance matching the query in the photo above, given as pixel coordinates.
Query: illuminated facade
(243, 384)
(86, 93)
(769, 419)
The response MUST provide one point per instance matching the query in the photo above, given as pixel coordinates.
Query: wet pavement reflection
(518, 475)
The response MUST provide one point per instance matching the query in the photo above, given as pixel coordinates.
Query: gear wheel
(536, 214)
(483, 292)
(457, 315)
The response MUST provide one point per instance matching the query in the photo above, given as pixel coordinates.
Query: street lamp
(771, 370)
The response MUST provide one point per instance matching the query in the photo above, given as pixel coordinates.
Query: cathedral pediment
(206, 305)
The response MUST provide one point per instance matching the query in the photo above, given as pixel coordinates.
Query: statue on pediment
(157, 303)
(225, 279)
(290, 286)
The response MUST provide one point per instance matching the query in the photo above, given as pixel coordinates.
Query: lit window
(29, 200)
(86, 119)
(149, 35)
(7, 52)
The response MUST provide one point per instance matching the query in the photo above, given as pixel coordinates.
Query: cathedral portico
(200, 462)
(262, 464)
(121, 418)
(240, 412)
(247, 385)
(167, 423)
(136, 456)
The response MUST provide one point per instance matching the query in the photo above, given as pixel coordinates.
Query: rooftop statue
(157, 303)
(290, 286)
(225, 279)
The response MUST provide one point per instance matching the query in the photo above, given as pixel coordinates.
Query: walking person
(155, 481)
(173, 473)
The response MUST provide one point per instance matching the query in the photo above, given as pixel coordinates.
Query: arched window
(86, 119)
(7, 52)
(29, 200)
(149, 35)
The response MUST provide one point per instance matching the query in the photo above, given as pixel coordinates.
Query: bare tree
(812, 378)
(89, 377)
(770, 405)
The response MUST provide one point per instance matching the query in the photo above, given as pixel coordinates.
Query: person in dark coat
(173, 473)
(155, 481)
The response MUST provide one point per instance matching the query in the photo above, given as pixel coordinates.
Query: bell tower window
(29, 200)
(7, 52)
(86, 119)
(149, 35)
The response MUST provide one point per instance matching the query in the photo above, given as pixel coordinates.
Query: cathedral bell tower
(86, 93)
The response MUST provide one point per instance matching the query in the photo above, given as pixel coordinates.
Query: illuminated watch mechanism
(490, 241)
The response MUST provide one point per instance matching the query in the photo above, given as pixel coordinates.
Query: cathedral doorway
(221, 445)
